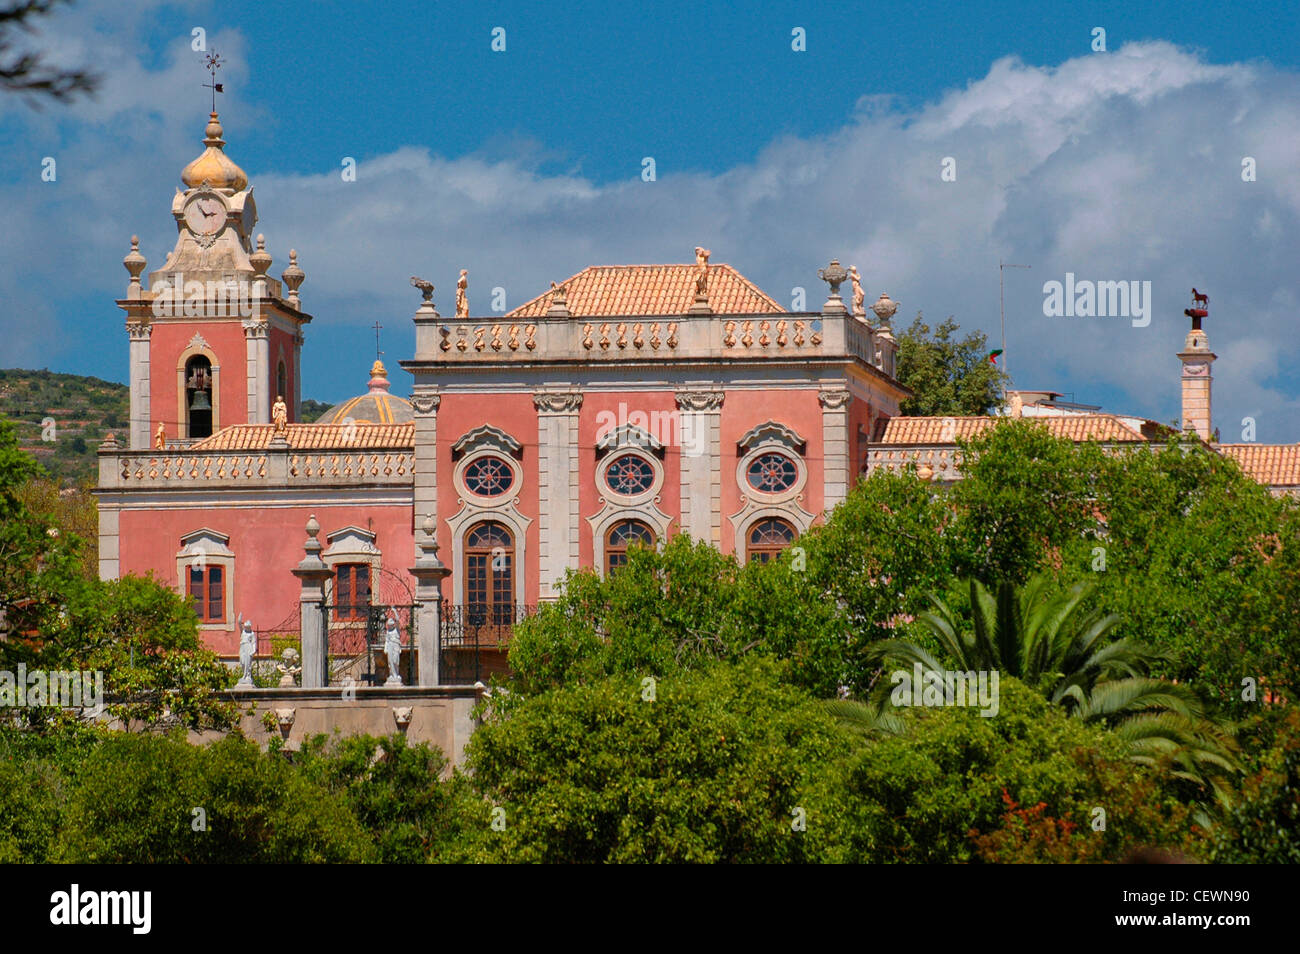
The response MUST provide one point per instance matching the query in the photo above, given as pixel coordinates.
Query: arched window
(281, 381)
(622, 535)
(767, 538)
(490, 574)
(198, 397)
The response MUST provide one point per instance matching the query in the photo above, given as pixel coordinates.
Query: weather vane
(378, 353)
(214, 64)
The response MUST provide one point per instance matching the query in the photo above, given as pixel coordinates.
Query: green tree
(27, 72)
(57, 615)
(394, 791)
(947, 375)
(932, 793)
(1023, 495)
(884, 547)
(708, 767)
(1202, 562)
(149, 799)
(681, 607)
(1059, 645)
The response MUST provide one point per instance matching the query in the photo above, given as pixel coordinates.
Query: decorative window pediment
(487, 437)
(771, 433)
(629, 435)
(205, 540)
(350, 540)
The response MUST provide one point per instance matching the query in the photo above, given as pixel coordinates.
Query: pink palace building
(624, 405)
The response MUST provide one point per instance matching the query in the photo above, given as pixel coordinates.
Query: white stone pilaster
(109, 542)
(425, 402)
(835, 444)
(140, 429)
(257, 361)
(557, 464)
(297, 376)
(700, 424)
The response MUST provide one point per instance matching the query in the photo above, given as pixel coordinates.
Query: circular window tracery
(772, 473)
(489, 476)
(629, 475)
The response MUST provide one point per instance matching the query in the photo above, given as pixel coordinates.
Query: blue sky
(524, 166)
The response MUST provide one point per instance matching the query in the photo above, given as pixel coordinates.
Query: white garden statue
(247, 649)
(393, 650)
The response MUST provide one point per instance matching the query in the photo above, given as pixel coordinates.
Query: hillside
(83, 409)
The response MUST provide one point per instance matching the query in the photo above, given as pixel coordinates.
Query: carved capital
(139, 331)
(255, 327)
(699, 400)
(835, 399)
(425, 403)
(557, 402)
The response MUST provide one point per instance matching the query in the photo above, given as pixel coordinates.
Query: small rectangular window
(352, 591)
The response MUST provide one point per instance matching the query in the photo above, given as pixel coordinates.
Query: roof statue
(701, 272)
(462, 302)
(280, 415)
(425, 286)
(859, 296)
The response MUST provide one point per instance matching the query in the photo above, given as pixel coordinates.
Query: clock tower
(214, 339)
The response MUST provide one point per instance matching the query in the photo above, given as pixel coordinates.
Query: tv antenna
(1002, 308)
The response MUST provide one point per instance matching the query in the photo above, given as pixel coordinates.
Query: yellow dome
(214, 167)
(376, 406)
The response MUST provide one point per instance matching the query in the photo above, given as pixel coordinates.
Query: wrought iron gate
(354, 641)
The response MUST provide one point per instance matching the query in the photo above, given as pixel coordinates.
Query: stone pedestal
(313, 573)
(429, 572)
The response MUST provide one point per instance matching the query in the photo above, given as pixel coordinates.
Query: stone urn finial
(834, 275)
(134, 264)
(293, 277)
(884, 308)
(261, 258)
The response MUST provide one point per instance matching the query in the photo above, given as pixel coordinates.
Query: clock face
(205, 215)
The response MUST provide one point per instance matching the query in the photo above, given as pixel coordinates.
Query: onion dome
(376, 406)
(213, 166)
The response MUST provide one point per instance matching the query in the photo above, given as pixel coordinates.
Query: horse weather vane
(214, 64)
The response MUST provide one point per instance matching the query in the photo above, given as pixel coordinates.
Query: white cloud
(1125, 165)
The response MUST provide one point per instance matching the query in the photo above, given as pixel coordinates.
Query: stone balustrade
(776, 337)
(151, 470)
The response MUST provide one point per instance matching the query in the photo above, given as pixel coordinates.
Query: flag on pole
(993, 356)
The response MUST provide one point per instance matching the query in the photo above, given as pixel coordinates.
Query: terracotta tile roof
(946, 430)
(1277, 465)
(256, 437)
(652, 290)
